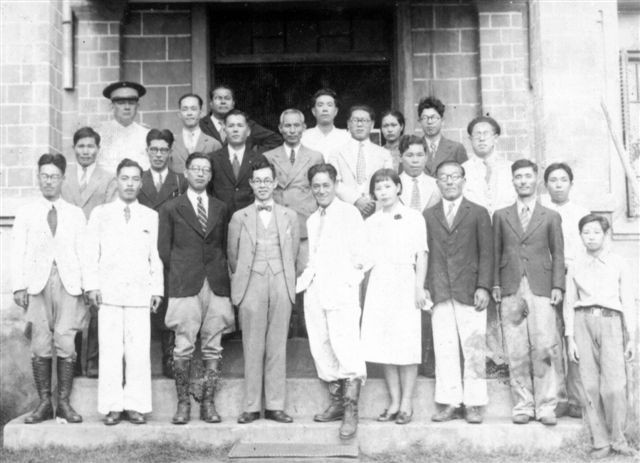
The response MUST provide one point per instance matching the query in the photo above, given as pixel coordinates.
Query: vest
(268, 253)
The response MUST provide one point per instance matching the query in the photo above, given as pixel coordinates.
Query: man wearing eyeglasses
(358, 159)
(47, 274)
(192, 245)
(439, 148)
(122, 136)
(160, 184)
(263, 244)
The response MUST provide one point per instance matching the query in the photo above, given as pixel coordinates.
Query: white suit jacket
(34, 248)
(122, 258)
(345, 161)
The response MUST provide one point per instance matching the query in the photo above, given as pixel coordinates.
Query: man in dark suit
(222, 102)
(232, 164)
(459, 279)
(159, 185)
(192, 243)
(439, 149)
(529, 279)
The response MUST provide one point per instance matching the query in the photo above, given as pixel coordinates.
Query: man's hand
(420, 297)
(572, 350)
(629, 353)
(556, 296)
(21, 298)
(481, 299)
(155, 303)
(496, 293)
(95, 298)
(366, 206)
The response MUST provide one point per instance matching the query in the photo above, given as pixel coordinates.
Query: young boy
(598, 314)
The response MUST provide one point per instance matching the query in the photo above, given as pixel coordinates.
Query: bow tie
(264, 208)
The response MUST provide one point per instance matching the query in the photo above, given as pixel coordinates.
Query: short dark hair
(381, 175)
(218, 87)
(323, 168)
(86, 132)
(190, 95)
(237, 112)
(522, 163)
(325, 92)
(451, 162)
(603, 221)
(160, 134)
(57, 160)
(263, 164)
(363, 107)
(198, 155)
(431, 102)
(126, 162)
(558, 166)
(489, 120)
(395, 113)
(407, 140)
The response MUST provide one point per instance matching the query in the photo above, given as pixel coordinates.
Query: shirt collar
(455, 202)
(435, 141)
(268, 202)
(530, 203)
(240, 151)
(195, 131)
(123, 204)
(164, 172)
(193, 196)
(89, 169)
(288, 148)
(46, 203)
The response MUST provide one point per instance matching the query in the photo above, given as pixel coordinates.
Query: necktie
(193, 142)
(127, 214)
(450, 215)
(525, 217)
(52, 219)
(361, 168)
(292, 158)
(223, 134)
(264, 208)
(202, 214)
(159, 182)
(415, 196)
(83, 179)
(431, 157)
(235, 165)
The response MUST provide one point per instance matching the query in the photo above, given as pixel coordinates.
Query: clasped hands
(94, 298)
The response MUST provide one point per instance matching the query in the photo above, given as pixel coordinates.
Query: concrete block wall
(157, 53)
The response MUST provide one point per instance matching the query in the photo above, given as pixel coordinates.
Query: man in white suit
(124, 280)
(358, 159)
(191, 139)
(331, 305)
(88, 185)
(46, 277)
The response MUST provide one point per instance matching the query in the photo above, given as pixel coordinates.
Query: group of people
(228, 214)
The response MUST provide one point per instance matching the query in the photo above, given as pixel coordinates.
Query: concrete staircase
(306, 395)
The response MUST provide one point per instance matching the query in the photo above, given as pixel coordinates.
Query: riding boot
(168, 341)
(182, 369)
(65, 383)
(336, 408)
(208, 411)
(42, 376)
(350, 419)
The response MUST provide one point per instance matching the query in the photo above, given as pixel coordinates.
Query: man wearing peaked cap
(122, 136)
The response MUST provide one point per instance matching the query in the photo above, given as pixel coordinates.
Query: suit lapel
(148, 188)
(513, 220)
(536, 219)
(211, 216)
(226, 164)
(441, 153)
(168, 187)
(250, 222)
(245, 166)
(185, 209)
(463, 210)
(282, 160)
(438, 212)
(208, 123)
(302, 160)
(282, 222)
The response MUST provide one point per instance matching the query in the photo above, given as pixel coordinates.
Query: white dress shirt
(296, 150)
(85, 172)
(327, 144)
(446, 204)
(571, 214)
(119, 142)
(159, 177)
(239, 152)
(429, 192)
(190, 138)
(496, 194)
(193, 199)
(265, 216)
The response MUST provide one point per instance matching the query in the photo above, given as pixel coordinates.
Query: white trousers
(124, 334)
(457, 325)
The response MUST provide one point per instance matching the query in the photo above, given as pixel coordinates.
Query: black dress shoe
(277, 415)
(386, 416)
(404, 417)
(446, 414)
(112, 418)
(248, 417)
(136, 417)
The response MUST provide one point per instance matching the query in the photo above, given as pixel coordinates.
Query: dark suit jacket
(188, 253)
(235, 193)
(174, 185)
(537, 252)
(448, 150)
(461, 258)
(261, 138)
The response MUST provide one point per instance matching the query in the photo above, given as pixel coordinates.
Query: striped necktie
(415, 195)
(202, 215)
(52, 219)
(235, 165)
(525, 217)
(450, 215)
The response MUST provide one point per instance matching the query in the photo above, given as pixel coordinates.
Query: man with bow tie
(192, 245)
(263, 245)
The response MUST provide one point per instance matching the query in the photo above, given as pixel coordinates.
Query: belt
(599, 311)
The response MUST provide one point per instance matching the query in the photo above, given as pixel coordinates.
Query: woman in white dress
(391, 328)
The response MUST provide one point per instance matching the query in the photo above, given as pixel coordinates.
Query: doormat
(292, 450)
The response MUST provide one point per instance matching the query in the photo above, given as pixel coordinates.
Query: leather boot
(65, 383)
(182, 369)
(42, 376)
(208, 411)
(168, 341)
(336, 408)
(350, 419)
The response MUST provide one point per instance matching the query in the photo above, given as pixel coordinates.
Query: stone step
(305, 397)
(372, 437)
